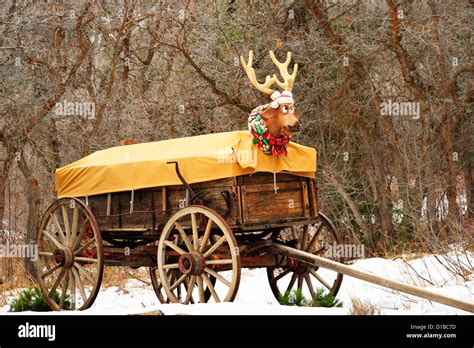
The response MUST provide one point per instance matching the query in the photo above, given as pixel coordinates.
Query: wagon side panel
(219, 195)
(291, 202)
(140, 210)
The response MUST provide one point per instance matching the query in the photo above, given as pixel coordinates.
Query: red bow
(279, 145)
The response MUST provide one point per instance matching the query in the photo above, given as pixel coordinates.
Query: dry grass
(423, 241)
(119, 276)
(115, 276)
(361, 307)
(13, 277)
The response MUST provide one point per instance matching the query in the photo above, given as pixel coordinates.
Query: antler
(288, 80)
(269, 81)
(287, 84)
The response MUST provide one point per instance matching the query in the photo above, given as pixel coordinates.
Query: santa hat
(281, 98)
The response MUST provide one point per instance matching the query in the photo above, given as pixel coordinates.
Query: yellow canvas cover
(201, 158)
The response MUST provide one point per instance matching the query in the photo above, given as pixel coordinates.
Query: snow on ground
(255, 297)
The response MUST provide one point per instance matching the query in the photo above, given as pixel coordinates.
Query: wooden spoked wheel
(173, 275)
(199, 246)
(156, 283)
(71, 258)
(290, 274)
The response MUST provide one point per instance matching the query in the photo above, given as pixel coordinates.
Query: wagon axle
(296, 266)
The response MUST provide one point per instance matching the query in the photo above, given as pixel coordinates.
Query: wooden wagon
(194, 211)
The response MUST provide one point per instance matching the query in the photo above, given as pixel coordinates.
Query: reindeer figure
(274, 123)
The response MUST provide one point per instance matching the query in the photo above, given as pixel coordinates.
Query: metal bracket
(190, 192)
(228, 201)
(132, 199)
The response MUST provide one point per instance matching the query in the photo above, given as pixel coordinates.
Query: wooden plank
(143, 250)
(244, 204)
(270, 187)
(109, 203)
(313, 205)
(259, 201)
(264, 260)
(239, 205)
(220, 183)
(150, 236)
(127, 229)
(262, 178)
(316, 198)
(265, 206)
(304, 196)
(153, 208)
(252, 226)
(138, 261)
(163, 199)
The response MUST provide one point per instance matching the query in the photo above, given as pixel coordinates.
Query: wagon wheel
(200, 247)
(71, 258)
(173, 276)
(158, 288)
(292, 274)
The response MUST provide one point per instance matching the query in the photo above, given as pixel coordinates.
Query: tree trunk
(4, 173)
(33, 210)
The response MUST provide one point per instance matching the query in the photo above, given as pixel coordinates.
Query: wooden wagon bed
(245, 202)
